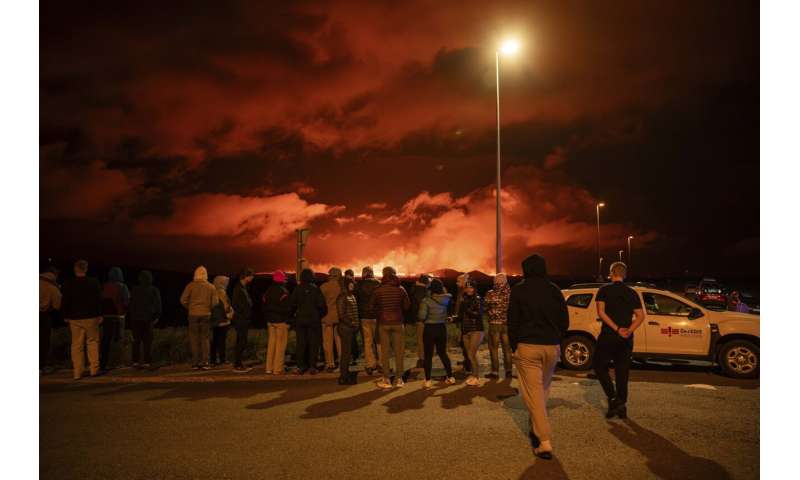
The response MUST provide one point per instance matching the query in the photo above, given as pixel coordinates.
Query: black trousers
(241, 343)
(435, 335)
(308, 343)
(612, 347)
(219, 338)
(109, 335)
(347, 335)
(466, 363)
(45, 330)
(142, 341)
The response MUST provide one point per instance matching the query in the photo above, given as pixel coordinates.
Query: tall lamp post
(600, 263)
(509, 47)
(620, 255)
(630, 237)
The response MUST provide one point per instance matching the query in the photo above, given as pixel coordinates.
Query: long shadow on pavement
(331, 408)
(493, 391)
(664, 458)
(414, 400)
(545, 469)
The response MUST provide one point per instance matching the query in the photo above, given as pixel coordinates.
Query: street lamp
(630, 237)
(509, 47)
(620, 255)
(600, 268)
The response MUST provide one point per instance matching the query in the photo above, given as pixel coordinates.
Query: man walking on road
(617, 304)
(537, 322)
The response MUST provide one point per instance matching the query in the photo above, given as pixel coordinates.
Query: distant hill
(448, 273)
(480, 277)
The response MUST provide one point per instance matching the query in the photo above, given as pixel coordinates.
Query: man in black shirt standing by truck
(617, 304)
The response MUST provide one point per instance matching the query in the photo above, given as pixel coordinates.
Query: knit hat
(278, 276)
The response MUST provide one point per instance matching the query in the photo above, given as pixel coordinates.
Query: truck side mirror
(695, 313)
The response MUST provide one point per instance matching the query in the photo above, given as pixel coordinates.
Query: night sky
(174, 134)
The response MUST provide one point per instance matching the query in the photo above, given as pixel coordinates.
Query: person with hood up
(199, 297)
(537, 322)
(144, 311)
(432, 314)
(242, 310)
(470, 315)
(496, 303)
(116, 297)
(309, 307)
(347, 307)
(82, 307)
(275, 305)
(366, 312)
(418, 293)
(461, 281)
(49, 302)
(331, 291)
(389, 301)
(221, 316)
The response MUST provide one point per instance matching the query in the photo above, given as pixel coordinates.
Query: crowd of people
(528, 322)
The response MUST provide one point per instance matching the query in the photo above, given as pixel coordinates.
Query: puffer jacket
(470, 314)
(434, 308)
(347, 307)
(307, 302)
(496, 303)
(389, 301)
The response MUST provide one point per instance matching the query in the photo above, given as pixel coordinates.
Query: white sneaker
(399, 383)
(450, 381)
(384, 384)
(427, 384)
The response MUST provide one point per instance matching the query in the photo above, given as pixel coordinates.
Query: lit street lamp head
(509, 47)
(601, 204)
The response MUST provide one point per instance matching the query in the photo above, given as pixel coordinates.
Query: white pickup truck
(674, 327)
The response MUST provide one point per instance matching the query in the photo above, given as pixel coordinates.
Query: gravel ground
(685, 422)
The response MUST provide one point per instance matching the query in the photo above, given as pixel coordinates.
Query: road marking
(702, 386)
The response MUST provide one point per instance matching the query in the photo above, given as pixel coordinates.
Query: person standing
(418, 293)
(617, 305)
(144, 311)
(199, 297)
(349, 273)
(496, 303)
(49, 302)
(470, 315)
(221, 316)
(275, 305)
(82, 307)
(461, 281)
(347, 307)
(309, 307)
(389, 301)
(242, 310)
(116, 297)
(432, 314)
(331, 291)
(366, 311)
(537, 322)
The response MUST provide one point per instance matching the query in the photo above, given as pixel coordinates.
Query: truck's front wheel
(577, 353)
(740, 359)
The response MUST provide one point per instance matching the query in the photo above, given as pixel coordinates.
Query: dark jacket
(276, 304)
(537, 311)
(242, 305)
(434, 309)
(145, 304)
(81, 298)
(389, 301)
(307, 302)
(347, 310)
(364, 292)
(470, 314)
(116, 295)
(418, 294)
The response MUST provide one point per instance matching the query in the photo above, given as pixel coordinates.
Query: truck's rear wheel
(577, 353)
(740, 359)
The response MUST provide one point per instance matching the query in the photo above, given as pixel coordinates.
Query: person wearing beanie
(144, 311)
(82, 307)
(432, 314)
(49, 302)
(470, 315)
(116, 297)
(365, 289)
(389, 301)
(620, 309)
(275, 306)
(418, 293)
(496, 303)
(347, 307)
(199, 297)
(308, 305)
(331, 291)
(221, 316)
(242, 310)
(537, 322)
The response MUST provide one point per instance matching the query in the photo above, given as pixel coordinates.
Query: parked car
(711, 294)
(674, 328)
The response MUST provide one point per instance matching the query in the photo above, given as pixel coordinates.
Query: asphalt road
(685, 422)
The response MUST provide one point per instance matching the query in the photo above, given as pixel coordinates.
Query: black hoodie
(537, 311)
(307, 301)
(145, 304)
